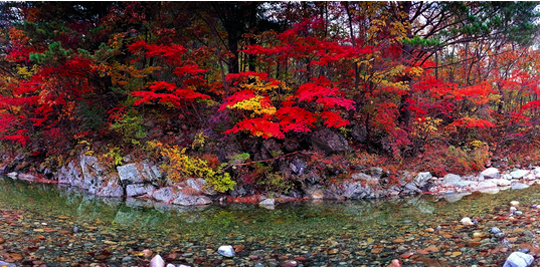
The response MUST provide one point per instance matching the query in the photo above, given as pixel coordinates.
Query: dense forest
(252, 92)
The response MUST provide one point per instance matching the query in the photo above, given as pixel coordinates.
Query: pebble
(518, 213)
(495, 230)
(514, 203)
(127, 259)
(75, 229)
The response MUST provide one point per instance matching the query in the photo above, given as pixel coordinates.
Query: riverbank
(145, 182)
(46, 226)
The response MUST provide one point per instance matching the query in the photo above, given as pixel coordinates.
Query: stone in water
(157, 261)
(466, 221)
(226, 251)
(518, 259)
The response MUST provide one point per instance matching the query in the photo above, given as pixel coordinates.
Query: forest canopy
(438, 86)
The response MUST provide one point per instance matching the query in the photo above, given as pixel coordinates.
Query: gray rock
(421, 179)
(359, 133)
(92, 173)
(518, 174)
(267, 202)
(451, 179)
(298, 166)
(127, 259)
(13, 175)
(196, 184)
(129, 174)
(495, 230)
(491, 173)
(487, 184)
(376, 172)
(27, 177)
(489, 190)
(6, 264)
(150, 172)
(455, 197)
(113, 189)
(139, 189)
(518, 259)
(191, 200)
(519, 186)
(157, 261)
(226, 251)
(163, 194)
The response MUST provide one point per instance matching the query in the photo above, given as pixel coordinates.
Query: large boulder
(518, 174)
(329, 141)
(111, 189)
(129, 174)
(150, 172)
(451, 180)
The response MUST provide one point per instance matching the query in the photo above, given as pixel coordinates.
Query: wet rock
(518, 213)
(27, 177)
(157, 261)
(314, 193)
(518, 259)
(518, 174)
(267, 202)
(490, 190)
(129, 174)
(519, 186)
(514, 203)
(164, 194)
(191, 200)
(139, 189)
(197, 184)
(298, 166)
(226, 251)
(495, 230)
(126, 259)
(454, 197)
(13, 175)
(112, 189)
(490, 173)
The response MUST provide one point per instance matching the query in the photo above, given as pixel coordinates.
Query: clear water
(302, 229)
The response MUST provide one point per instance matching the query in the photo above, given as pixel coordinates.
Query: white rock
(518, 259)
(226, 251)
(514, 203)
(487, 184)
(502, 182)
(267, 202)
(170, 265)
(519, 186)
(157, 261)
(13, 175)
(466, 221)
(518, 174)
(489, 190)
(491, 173)
(451, 179)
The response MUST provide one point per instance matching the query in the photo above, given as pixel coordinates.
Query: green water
(309, 229)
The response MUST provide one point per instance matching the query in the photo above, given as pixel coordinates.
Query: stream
(46, 225)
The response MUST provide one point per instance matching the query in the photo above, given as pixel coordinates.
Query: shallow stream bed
(43, 225)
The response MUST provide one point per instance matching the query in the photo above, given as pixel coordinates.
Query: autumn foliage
(120, 75)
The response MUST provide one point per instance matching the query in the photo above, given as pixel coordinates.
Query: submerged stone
(518, 259)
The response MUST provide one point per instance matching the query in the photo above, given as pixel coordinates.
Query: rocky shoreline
(144, 181)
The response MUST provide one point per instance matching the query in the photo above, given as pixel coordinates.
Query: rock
(191, 200)
(315, 194)
(13, 175)
(359, 133)
(148, 253)
(267, 202)
(514, 203)
(139, 189)
(196, 184)
(298, 166)
(466, 221)
(125, 259)
(6, 264)
(490, 190)
(329, 141)
(451, 179)
(518, 174)
(487, 184)
(491, 173)
(27, 177)
(157, 261)
(289, 264)
(495, 230)
(226, 251)
(150, 172)
(518, 213)
(518, 259)
(519, 186)
(113, 189)
(164, 194)
(454, 197)
(129, 174)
